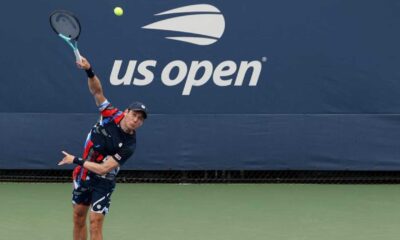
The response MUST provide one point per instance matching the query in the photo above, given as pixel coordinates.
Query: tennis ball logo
(203, 24)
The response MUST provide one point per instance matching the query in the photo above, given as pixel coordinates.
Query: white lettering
(191, 78)
(146, 73)
(165, 75)
(244, 67)
(198, 74)
(127, 79)
(224, 69)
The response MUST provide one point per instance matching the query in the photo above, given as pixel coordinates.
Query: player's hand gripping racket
(67, 26)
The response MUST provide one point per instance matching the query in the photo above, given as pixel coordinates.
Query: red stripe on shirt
(119, 118)
(99, 158)
(87, 149)
(109, 112)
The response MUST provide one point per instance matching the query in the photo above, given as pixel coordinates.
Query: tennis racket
(67, 27)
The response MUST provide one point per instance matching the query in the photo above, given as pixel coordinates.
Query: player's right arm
(93, 82)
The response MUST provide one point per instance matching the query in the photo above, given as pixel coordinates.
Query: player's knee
(79, 218)
(95, 225)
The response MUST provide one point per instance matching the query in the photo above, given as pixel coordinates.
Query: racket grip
(78, 56)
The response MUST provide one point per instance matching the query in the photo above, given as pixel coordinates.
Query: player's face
(133, 119)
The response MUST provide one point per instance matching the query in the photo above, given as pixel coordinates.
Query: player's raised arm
(93, 81)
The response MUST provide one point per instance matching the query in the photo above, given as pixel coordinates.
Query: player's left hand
(68, 159)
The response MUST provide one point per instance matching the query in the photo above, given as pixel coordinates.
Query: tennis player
(108, 146)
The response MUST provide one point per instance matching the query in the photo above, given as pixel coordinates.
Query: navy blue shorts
(95, 192)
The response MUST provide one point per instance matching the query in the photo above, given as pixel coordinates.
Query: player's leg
(81, 198)
(79, 216)
(82, 194)
(96, 226)
(101, 199)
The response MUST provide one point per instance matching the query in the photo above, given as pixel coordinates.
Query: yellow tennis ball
(118, 11)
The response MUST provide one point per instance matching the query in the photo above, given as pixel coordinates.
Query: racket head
(65, 23)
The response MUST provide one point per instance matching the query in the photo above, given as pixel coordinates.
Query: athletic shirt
(107, 138)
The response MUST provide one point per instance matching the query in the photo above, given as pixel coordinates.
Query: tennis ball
(118, 11)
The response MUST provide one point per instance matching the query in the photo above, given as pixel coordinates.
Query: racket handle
(78, 56)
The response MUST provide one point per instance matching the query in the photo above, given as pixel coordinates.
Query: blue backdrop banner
(299, 85)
